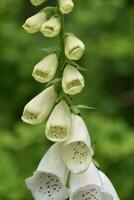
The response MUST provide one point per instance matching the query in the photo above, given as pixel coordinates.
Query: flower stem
(61, 37)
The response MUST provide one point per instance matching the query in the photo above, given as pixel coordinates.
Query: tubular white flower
(59, 122)
(88, 185)
(34, 23)
(37, 2)
(38, 109)
(72, 80)
(77, 151)
(108, 186)
(48, 181)
(66, 6)
(45, 70)
(74, 47)
(51, 27)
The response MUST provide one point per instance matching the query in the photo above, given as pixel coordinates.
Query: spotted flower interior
(30, 115)
(77, 155)
(46, 186)
(40, 74)
(58, 132)
(91, 192)
(73, 84)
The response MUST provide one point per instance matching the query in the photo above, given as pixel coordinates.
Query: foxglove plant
(63, 122)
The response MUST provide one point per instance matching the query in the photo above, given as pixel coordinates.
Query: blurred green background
(107, 28)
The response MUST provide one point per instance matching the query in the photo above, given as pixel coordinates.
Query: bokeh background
(107, 28)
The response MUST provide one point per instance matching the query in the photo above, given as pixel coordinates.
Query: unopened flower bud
(66, 6)
(58, 124)
(72, 80)
(45, 70)
(38, 109)
(74, 47)
(34, 23)
(51, 27)
(37, 2)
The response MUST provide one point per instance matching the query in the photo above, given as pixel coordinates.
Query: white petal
(51, 27)
(34, 23)
(66, 6)
(38, 109)
(74, 47)
(72, 80)
(77, 151)
(45, 70)
(108, 186)
(59, 122)
(87, 186)
(48, 182)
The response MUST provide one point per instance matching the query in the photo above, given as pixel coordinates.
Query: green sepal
(96, 163)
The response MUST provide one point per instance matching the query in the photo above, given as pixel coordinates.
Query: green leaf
(82, 68)
(54, 81)
(50, 50)
(75, 110)
(85, 107)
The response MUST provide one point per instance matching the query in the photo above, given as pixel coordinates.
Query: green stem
(62, 38)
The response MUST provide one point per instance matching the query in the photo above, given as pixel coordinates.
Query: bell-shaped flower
(45, 70)
(48, 181)
(108, 186)
(74, 47)
(38, 109)
(72, 80)
(59, 122)
(88, 185)
(37, 2)
(66, 6)
(77, 151)
(51, 27)
(34, 23)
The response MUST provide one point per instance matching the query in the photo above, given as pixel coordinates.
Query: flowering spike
(45, 70)
(34, 23)
(38, 109)
(58, 124)
(74, 47)
(77, 151)
(72, 80)
(51, 27)
(48, 181)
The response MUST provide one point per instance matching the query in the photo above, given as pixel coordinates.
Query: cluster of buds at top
(72, 150)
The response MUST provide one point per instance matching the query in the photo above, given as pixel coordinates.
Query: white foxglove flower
(59, 122)
(51, 27)
(48, 181)
(37, 2)
(34, 23)
(38, 109)
(77, 151)
(66, 6)
(88, 185)
(74, 47)
(72, 80)
(45, 70)
(108, 186)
